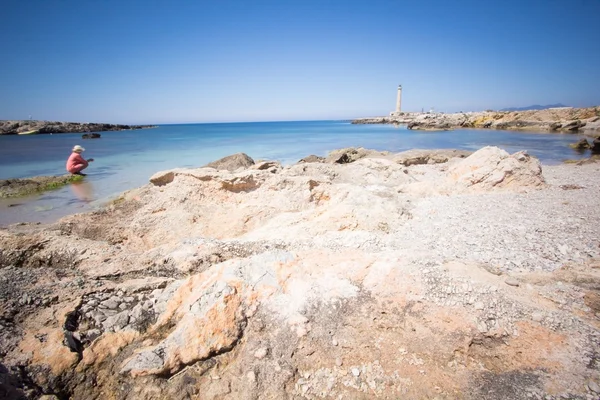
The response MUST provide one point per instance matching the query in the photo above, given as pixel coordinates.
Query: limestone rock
(162, 178)
(232, 162)
(415, 157)
(312, 159)
(493, 168)
(216, 310)
(351, 154)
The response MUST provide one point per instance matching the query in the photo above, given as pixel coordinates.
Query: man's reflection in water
(83, 190)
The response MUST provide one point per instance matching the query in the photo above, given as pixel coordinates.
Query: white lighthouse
(399, 99)
(398, 110)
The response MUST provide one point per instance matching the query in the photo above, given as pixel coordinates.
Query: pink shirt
(75, 160)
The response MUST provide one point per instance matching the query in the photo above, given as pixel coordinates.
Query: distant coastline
(28, 127)
(564, 119)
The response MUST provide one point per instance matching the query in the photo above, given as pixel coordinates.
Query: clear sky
(147, 61)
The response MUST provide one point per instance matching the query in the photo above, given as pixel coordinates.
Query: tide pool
(126, 159)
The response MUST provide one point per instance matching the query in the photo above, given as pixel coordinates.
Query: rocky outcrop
(567, 119)
(16, 127)
(91, 136)
(316, 280)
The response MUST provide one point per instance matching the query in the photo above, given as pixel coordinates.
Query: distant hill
(534, 107)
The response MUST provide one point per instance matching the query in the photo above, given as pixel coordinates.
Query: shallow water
(126, 159)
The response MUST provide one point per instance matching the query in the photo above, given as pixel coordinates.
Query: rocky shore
(567, 119)
(35, 127)
(440, 275)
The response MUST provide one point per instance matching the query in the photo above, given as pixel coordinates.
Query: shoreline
(27, 127)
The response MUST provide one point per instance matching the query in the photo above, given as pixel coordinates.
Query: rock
(351, 154)
(511, 281)
(572, 125)
(537, 316)
(92, 334)
(493, 168)
(479, 305)
(312, 159)
(583, 144)
(220, 314)
(162, 178)
(232, 162)
(593, 386)
(116, 322)
(416, 157)
(596, 146)
(38, 184)
(90, 136)
(111, 304)
(261, 353)
(265, 165)
(355, 372)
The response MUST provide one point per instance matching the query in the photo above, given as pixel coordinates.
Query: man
(76, 163)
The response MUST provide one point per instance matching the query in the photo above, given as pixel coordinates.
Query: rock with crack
(210, 321)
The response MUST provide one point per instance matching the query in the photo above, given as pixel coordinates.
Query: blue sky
(176, 61)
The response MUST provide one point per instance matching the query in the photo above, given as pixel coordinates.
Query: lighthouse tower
(399, 99)
(398, 110)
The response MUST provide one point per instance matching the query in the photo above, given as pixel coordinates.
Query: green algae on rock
(37, 184)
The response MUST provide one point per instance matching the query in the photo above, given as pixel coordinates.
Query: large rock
(232, 162)
(162, 178)
(416, 156)
(493, 168)
(351, 154)
(312, 159)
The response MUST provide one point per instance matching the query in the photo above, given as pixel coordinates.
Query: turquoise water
(126, 159)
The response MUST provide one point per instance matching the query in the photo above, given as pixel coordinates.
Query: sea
(125, 160)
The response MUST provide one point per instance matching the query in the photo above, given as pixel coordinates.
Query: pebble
(512, 282)
(338, 362)
(479, 305)
(334, 342)
(537, 316)
(593, 386)
(356, 372)
(110, 304)
(261, 353)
